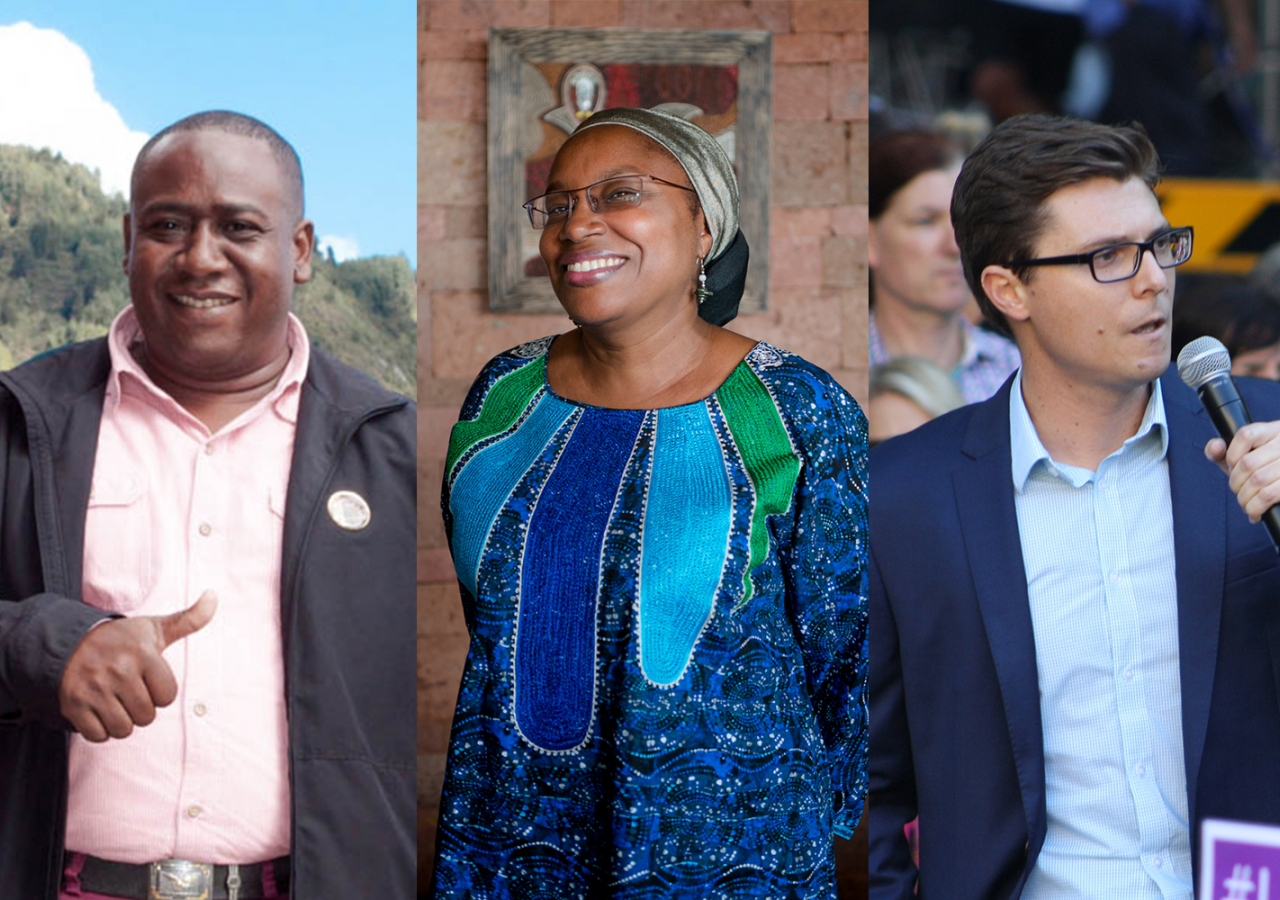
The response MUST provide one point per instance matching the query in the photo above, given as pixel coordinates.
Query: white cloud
(343, 248)
(49, 100)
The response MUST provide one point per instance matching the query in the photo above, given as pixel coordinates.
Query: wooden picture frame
(522, 102)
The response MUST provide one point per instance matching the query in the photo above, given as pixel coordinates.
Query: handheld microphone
(1205, 367)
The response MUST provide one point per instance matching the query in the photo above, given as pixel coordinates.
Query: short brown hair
(895, 158)
(997, 208)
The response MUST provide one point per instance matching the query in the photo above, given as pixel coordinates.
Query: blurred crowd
(1187, 69)
(945, 71)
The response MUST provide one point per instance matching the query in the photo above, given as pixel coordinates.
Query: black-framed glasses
(1117, 262)
(611, 195)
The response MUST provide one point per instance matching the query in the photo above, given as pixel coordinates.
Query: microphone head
(1202, 360)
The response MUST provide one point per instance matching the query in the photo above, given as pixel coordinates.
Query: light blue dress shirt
(1098, 553)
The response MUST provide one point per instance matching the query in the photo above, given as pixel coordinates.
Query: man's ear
(304, 244)
(1007, 292)
(873, 246)
(127, 223)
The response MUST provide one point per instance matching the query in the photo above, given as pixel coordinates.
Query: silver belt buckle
(178, 879)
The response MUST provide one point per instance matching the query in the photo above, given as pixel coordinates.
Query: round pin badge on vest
(349, 510)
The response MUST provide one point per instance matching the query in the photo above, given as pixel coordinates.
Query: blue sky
(338, 80)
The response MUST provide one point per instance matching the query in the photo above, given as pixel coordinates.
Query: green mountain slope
(61, 279)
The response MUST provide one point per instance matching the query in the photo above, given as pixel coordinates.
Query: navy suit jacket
(956, 733)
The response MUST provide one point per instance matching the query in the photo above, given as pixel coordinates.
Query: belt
(179, 879)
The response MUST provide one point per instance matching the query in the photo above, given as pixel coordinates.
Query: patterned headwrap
(711, 174)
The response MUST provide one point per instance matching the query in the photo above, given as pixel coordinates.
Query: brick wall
(817, 258)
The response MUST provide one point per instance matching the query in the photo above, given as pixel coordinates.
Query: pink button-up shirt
(176, 511)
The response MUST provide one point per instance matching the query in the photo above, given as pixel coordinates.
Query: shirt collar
(972, 348)
(126, 331)
(1026, 449)
(876, 352)
(976, 344)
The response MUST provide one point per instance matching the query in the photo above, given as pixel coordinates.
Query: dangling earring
(702, 293)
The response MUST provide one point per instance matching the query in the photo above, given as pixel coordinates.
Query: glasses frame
(591, 199)
(1082, 258)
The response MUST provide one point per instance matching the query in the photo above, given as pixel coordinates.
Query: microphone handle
(1227, 409)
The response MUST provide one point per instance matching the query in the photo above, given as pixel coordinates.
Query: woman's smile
(586, 268)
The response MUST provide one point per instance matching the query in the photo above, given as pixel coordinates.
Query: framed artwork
(543, 82)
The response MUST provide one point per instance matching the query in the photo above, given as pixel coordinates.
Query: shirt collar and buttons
(128, 374)
(1097, 549)
(1027, 451)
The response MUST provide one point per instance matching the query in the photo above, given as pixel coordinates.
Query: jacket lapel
(335, 400)
(62, 428)
(989, 525)
(76, 449)
(1200, 547)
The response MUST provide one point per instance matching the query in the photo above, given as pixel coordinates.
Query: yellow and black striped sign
(1235, 221)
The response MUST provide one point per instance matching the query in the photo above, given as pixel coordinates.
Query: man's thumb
(176, 626)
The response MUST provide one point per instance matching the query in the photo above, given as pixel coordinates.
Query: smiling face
(214, 243)
(627, 265)
(1114, 336)
(912, 247)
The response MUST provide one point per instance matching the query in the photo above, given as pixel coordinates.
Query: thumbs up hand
(117, 677)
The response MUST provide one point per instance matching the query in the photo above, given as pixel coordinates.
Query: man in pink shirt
(206, 563)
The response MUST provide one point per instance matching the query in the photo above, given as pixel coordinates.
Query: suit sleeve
(825, 566)
(38, 633)
(892, 774)
(37, 637)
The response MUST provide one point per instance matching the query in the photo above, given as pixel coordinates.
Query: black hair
(233, 123)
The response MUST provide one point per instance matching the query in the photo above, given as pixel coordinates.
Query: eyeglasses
(611, 195)
(1117, 262)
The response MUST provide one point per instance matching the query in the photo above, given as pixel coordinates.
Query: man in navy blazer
(1075, 642)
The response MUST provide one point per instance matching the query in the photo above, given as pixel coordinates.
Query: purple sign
(1239, 861)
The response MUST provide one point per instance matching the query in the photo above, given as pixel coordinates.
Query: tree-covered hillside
(61, 278)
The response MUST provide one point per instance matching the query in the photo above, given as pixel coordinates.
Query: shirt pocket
(119, 569)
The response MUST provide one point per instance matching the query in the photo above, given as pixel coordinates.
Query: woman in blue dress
(659, 527)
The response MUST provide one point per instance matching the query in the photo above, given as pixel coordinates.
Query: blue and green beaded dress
(665, 691)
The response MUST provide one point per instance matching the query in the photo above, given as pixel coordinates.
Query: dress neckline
(551, 392)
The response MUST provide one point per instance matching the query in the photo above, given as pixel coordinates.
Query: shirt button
(1142, 771)
(194, 811)
(1157, 862)
(1128, 673)
(208, 449)
(200, 709)
(1115, 577)
(206, 529)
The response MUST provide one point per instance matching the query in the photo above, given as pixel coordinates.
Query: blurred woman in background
(918, 290)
